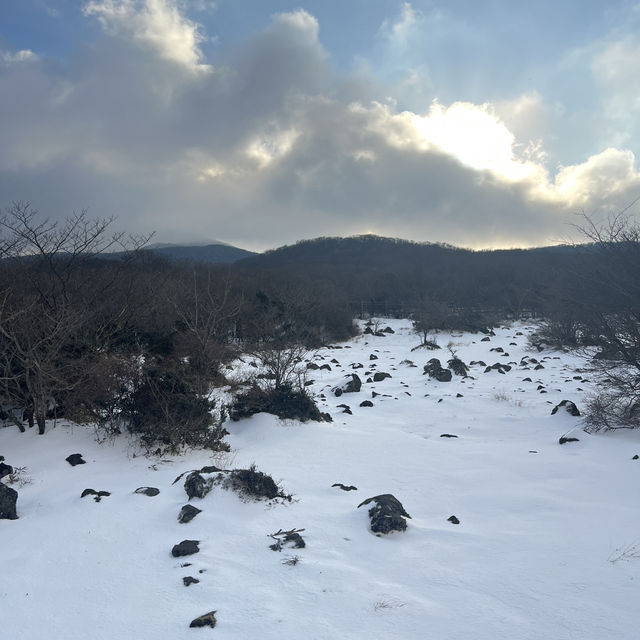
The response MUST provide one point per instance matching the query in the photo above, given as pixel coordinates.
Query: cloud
(24, 55)
(157, 24)
(275, 145)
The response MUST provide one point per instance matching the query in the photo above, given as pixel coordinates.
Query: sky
(483, 124)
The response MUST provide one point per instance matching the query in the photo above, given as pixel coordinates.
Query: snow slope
(539, 552)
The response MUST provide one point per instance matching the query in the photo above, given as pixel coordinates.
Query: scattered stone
(387, 514)
(636, 457)
(538, 367)
(497, 349)
(453, 520)
(373, 357)
(205, 620)
(388, 330)
(188, 513)
(97, 495)
(8, 500)
(486, 339)
(448, 435)
(185, 548)
(196, 486)
(564, 440)
(326, 367)
(380, 376)
(499, 367)
(344, 487)
(366, 403)
(312, 366)
(435, 370)
(334, 361)
(75, 459)
(527, 380)
(5, 469)
(569, 407)
(189, 580)
(351, 384)
(459, 395)
(148, 491)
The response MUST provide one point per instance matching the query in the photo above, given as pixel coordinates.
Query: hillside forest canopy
(96, 328)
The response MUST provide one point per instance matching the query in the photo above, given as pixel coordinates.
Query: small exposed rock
(373, 357)
(569, 406)
(564, 440)
(366, 403)
(636, 457)
(380, 376)
(8, 500)
(453, 520)
(344, 487)
(434, 370)
(196, 486)
(351, 384)
(185, 548)
(292, 540)
(448, 435)
(387, 514)
(5, 469)
(188, 513)
(205, 620)
(148, 491)
(75, 459)
(189, 580)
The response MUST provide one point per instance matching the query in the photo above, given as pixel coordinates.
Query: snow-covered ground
(539, 552)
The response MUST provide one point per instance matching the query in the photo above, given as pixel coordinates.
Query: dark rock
(188, 513)
(538, 367)
(344, 487)
(205, 620)
(196, 486)
(453, 520)
(497, 349)
(636, 457)
(564, 440)
(368, 331)
(569, 407)
(185, 548)
(373, 357)
(313, 366)
(326, 367)
(380, 334)
(8, 500)
(448, 435)
(435, 370)
(366, 403)
(334, 361)
(380, 376)
(88, 492)
(351, 384)
(5, 469)
(189, 580)
(387, 514)
(527, 380)
(75, 459)
(486, 339)
(500, 368)
(459, 395)
(148, 491)
(357, 365)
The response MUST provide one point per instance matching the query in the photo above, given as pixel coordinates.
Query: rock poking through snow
(8, 500)
(75, 459)
(387, 514)
(188, 513)
(185, 548)
(205, 620)
(568, 406)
